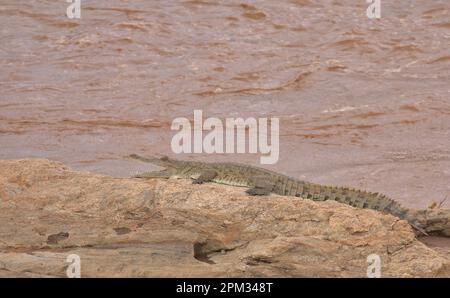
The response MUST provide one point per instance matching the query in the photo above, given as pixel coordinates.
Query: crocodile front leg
(205, 176)
(261, 187)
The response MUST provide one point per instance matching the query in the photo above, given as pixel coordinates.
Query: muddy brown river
(362, 102)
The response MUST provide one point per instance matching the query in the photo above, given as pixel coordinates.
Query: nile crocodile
(260, 181)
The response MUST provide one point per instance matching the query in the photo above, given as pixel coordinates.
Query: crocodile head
(178, 168)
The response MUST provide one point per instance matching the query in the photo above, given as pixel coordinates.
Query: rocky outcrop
(171, 228)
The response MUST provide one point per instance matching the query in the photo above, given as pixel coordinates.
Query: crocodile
(259, 181)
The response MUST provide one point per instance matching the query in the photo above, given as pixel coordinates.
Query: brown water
(361, 102)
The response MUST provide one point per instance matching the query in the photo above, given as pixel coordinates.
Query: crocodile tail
(388, 205)
(430, 221)
(379, 202)
(435, 221)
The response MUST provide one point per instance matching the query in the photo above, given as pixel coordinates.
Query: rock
(172, 228)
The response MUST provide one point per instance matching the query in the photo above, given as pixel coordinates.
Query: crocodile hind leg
(258, 191)
(205, 176)
(261, 187)
(154, 174)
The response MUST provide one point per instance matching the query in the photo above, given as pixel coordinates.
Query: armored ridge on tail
(263, 182)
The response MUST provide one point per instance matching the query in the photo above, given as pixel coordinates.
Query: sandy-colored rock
(159, 228)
